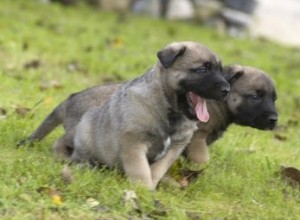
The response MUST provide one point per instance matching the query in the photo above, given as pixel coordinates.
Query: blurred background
(276, 20)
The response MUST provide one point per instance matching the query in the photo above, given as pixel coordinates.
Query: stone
(205, 10)
(147, 7)
(180, 10)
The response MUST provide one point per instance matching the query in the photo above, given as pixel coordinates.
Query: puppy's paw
(199, 158)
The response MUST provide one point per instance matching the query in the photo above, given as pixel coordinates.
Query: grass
(49, 51)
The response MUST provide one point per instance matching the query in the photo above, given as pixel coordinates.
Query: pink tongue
(200, 107)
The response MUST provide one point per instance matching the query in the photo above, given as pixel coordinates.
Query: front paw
(199, 158)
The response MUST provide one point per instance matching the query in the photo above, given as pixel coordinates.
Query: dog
(251, 103)
(147, 122)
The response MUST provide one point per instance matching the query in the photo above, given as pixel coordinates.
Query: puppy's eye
(255, 97)
(208, 65)
(199, 70)
(260, 93)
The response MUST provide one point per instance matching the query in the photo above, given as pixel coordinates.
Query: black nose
(272, 120)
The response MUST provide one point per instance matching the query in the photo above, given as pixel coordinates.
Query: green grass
(240, 182)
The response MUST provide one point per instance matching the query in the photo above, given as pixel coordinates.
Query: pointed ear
(233, 72)
(168, 55)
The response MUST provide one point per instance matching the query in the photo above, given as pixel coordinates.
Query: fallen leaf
(56, 199)
(156, 214)
(25, 45)
(187, 176)
(33, 64)
(291, 175)
(279, 128)
(67, 175)
(74, 65)
(130, 199)
(96, 206)
(3, 113)
(92, 203)
(280, 137)
(118, 42)
(193, 215)
(56, 84)
(50, 84)
(160, 210)
(48, 100)
(21, 111)
(184, 182)
(53, 193)
(88, 48)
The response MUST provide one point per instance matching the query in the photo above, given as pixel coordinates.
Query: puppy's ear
(168, 55)
(233, 72)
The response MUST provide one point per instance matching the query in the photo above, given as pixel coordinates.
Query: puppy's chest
(177, 134)
(181, 129)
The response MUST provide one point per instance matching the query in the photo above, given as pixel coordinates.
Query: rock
(180, 10)
(241, 5)
(278, 20)
(147, 7)
(205, 10)
(236, 17)
(115, 5)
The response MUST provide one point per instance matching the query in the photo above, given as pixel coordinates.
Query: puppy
(152, 114)
(251, 103)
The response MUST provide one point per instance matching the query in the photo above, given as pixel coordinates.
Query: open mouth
(199, 106)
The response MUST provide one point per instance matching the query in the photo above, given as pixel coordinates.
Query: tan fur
(251, 80)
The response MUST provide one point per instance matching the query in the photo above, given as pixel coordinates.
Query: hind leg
(62, 149)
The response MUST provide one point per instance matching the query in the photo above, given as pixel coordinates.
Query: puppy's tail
(54, 119)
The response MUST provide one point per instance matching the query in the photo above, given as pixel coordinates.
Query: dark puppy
(251, 103)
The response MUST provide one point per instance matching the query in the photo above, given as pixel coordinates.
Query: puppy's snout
(272, 120)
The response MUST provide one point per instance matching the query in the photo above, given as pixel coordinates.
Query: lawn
(48, 51)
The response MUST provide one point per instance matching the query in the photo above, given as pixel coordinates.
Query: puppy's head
(252, 97)
(192, 69)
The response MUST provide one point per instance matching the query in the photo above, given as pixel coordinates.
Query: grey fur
(144, 122)
(130, 130)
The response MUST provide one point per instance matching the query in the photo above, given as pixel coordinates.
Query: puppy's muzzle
(272, 120)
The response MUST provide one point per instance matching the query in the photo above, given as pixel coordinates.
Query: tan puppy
(251, 103)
